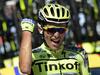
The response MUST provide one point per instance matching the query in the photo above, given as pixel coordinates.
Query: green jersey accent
(62, 62)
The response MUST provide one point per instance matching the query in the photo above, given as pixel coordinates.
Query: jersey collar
(49, 50)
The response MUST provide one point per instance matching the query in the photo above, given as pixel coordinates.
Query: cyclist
(51, 58)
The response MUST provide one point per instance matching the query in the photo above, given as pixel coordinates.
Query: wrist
(26, 33)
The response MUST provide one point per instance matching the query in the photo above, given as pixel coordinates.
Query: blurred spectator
(8, 29)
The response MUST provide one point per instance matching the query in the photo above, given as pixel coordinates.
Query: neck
(54, 50)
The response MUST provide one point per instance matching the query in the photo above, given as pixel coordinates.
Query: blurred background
(84, 30)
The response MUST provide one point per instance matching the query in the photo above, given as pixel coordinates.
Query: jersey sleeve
(84, 65)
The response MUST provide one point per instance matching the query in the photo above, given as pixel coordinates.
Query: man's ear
(40, 29)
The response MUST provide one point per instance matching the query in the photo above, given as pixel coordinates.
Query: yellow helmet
(54, 13)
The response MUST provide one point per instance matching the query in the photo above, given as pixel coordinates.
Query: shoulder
(74, 48)
(76, 51)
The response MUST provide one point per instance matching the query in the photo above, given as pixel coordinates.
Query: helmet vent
(41, 16)
(52, 11)
(58, 13)
(56, 5)
(46, 12)
(67, 13)
(63, 12)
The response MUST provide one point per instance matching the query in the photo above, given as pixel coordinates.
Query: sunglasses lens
(53, 30)
(61, 30)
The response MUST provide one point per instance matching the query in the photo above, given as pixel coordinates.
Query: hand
(27, 24)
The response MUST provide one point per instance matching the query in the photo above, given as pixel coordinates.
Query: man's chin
(54, 47)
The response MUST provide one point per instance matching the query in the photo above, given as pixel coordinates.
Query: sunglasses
(54, 30)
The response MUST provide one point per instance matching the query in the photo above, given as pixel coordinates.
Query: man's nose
(56, 34)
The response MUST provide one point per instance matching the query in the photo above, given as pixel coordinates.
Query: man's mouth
(56, 41)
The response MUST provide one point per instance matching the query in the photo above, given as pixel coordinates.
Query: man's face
(54, 35)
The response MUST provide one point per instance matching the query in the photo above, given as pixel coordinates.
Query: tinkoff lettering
(58, 66)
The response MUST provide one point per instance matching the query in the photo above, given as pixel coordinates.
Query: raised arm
(25, 54)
